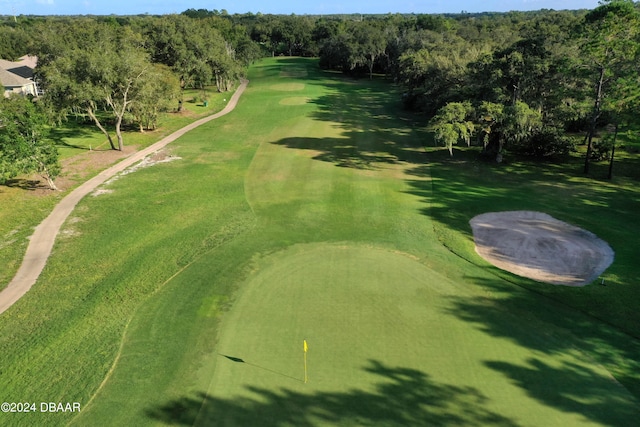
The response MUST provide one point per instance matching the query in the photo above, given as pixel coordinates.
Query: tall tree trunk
(47, 176)
(97, 122)
(119, 133)
(613, 152)
(594, 119)
(120, 110)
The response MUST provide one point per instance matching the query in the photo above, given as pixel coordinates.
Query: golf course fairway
(182, 293)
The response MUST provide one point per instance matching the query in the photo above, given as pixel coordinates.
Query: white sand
(540, 247)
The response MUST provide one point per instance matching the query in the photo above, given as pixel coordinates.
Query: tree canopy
(515, 81)
(24, 147)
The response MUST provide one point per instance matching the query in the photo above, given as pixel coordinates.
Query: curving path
(41, 241)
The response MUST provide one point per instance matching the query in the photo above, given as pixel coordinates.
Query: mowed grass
(22, 208)
(383, 350)
(183, 297)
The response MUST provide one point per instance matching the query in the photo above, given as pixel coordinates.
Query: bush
(548, 142)
(600, 149)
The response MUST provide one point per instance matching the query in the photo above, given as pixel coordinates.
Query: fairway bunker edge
(537, 246)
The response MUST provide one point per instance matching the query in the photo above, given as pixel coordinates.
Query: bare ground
(537, 246)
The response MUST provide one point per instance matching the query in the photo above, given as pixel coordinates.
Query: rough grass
(188, 262)
(23, 204)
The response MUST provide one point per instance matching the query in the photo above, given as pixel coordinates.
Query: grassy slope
(299, 195)
(21, 211)
(464, 187)
(339, 175)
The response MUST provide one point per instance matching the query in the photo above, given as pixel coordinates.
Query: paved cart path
(43, 238)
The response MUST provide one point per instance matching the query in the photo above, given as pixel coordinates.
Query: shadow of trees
(551, 328)
(456, 189)
(464, 186)
(357, 152)
(26, 184)
(74, 129)
(575, 388)
(401, 397)
(372, 133)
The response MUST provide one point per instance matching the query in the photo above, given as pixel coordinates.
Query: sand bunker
(540, 247)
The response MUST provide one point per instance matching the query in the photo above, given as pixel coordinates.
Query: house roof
(23, 67)
(29, 61)
(9, 79)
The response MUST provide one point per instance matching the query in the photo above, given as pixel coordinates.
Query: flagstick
(305, 367)
(304, 348)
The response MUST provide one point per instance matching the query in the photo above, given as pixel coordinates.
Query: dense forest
(517, 81)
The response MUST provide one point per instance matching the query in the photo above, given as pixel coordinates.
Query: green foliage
(517, 126)
(437, 74)
(452, 124)
(610, 49)
(490, 115)
(159, 92)
(24, 147)
(14, 42)
(601, 149)
(196, 50)
(520, 122)
(546, 142)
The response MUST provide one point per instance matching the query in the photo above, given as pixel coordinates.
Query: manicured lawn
(312, 212)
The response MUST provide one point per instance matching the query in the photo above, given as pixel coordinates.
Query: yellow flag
(304, 343)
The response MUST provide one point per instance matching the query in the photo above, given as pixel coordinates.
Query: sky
(299, 7)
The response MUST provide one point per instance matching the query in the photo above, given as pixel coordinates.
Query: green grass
(78, 135)
(384, 350)
(311, 212)
(21, 210)
(464, 187)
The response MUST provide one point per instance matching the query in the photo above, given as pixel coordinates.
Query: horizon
(283, 7)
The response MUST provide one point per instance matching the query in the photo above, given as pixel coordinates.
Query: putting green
(383, 346)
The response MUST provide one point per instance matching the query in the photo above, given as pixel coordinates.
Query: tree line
(113, 71)
(518, 81)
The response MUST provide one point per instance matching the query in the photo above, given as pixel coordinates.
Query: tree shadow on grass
(26, 184)
(574, 388)
(459, 188)
(372, 133)
(402, 397)
(357, 152)
(551, 328)
(362, 149)
(464, 186)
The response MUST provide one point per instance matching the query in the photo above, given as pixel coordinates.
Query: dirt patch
(75, 169)
(160, 156)
(540, 247)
